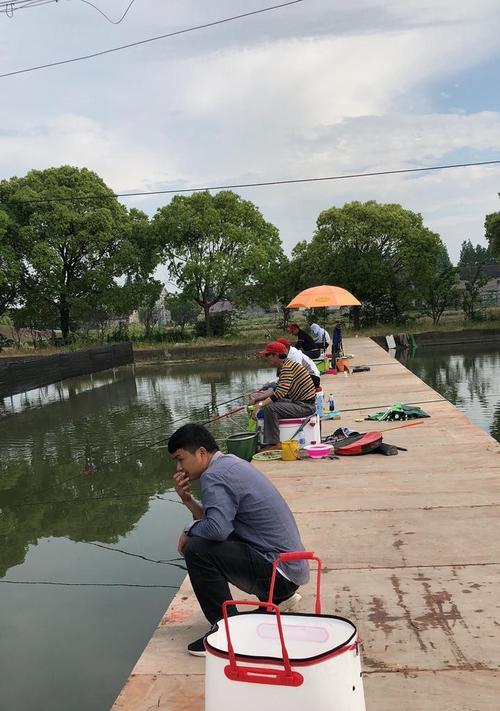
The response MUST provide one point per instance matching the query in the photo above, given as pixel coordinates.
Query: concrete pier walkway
(411, 549)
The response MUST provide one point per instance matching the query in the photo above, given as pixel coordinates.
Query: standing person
(238, 530)
(320, 336)
(294, 395)
(305, 342)
(337, 346)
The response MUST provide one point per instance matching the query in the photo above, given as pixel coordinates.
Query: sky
(318, 88)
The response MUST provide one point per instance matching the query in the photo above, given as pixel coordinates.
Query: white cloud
(323, 89)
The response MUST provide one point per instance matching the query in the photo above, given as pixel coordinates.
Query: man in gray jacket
(238, 530)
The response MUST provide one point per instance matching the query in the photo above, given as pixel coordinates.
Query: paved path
(411, 548)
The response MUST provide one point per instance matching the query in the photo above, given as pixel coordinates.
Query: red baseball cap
(284, 341)
(274, 348)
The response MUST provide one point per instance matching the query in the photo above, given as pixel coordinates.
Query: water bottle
(331, 404)
(302, 439)
(319, 404)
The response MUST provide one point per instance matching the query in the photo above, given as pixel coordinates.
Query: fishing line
(86, 585)
(150, 494)
(173, 561)
(373, 407)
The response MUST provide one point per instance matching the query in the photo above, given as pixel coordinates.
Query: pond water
(89, 521)
(89, 524)
(466, 375)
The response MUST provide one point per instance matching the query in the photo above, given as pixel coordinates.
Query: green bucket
(243, 444)
(320, 364)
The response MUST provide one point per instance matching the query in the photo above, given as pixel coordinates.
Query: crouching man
(240, 527)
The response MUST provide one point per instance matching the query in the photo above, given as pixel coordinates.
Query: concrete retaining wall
(17, 375)
(442, 338)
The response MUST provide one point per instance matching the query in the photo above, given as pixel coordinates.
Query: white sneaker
(290, 603)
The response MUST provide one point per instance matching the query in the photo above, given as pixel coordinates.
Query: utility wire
(8, 8)
(261, 184)
(113, 22)
(150, 39)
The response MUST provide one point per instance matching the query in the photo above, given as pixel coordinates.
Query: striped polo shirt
(294, 383)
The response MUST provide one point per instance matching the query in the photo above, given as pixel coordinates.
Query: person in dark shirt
(238, 530)
(305, 342)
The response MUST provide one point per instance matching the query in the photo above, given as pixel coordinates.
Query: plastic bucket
(242, 444)
(320, 364)
(290, 450)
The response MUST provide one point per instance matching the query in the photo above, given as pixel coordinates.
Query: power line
(113, 22)
(8, 8)
(150, 39)
(261, 184)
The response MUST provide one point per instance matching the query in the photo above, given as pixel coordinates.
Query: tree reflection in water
(72, 453)
(466, 375)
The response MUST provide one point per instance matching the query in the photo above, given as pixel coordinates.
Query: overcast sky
(319, 88)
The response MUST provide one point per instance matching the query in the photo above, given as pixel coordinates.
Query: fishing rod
(406, 424)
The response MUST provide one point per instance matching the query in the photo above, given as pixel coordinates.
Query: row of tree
(71, 253)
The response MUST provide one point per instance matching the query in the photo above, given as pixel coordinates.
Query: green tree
(216, 244)
(440, 291)
(472, 262)
(382, 253)
(10, 265)
(72, 248)
(182, 310)
(492, 231)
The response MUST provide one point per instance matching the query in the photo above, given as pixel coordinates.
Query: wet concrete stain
(380, 617)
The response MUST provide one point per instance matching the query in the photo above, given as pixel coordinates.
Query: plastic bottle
(319, 404)
(331, 403)
(302, 439)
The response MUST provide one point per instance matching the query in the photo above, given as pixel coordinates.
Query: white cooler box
(312, 431)
(294, 662)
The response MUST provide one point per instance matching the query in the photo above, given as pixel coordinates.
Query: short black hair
(191, 437)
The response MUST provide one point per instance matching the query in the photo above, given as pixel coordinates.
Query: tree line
(71, 253)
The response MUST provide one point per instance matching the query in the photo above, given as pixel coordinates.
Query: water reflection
(83, 464)
(91, 455)
(466, 375)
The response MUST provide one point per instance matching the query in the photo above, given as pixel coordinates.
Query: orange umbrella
(324, 295)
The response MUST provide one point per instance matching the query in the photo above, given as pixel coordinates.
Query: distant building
(220, 307)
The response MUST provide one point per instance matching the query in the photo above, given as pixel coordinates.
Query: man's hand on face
(184, 538)
(182, 486)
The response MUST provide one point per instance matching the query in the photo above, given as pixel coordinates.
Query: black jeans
(213, 564)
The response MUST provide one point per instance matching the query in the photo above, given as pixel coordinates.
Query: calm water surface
(109, 535)
(85, 496)
(467, 376)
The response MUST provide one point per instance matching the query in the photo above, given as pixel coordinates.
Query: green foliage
(492, 233)
(383, 254)
(440, 292)
(182, 311)
(216, 244)
(222, 324)
(74, 250)
(10, 264)
(471, 265)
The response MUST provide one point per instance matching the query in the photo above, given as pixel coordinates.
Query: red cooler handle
(259, 675)
(297, 555)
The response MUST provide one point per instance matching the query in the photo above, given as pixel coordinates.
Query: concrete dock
(411, 549)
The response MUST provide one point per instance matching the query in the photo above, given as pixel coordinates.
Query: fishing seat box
(312, 432)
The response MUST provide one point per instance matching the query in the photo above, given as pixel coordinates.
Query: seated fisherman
(320, 336)
(305, 342)
(294, 395)
(240, 527)
(297, 356)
